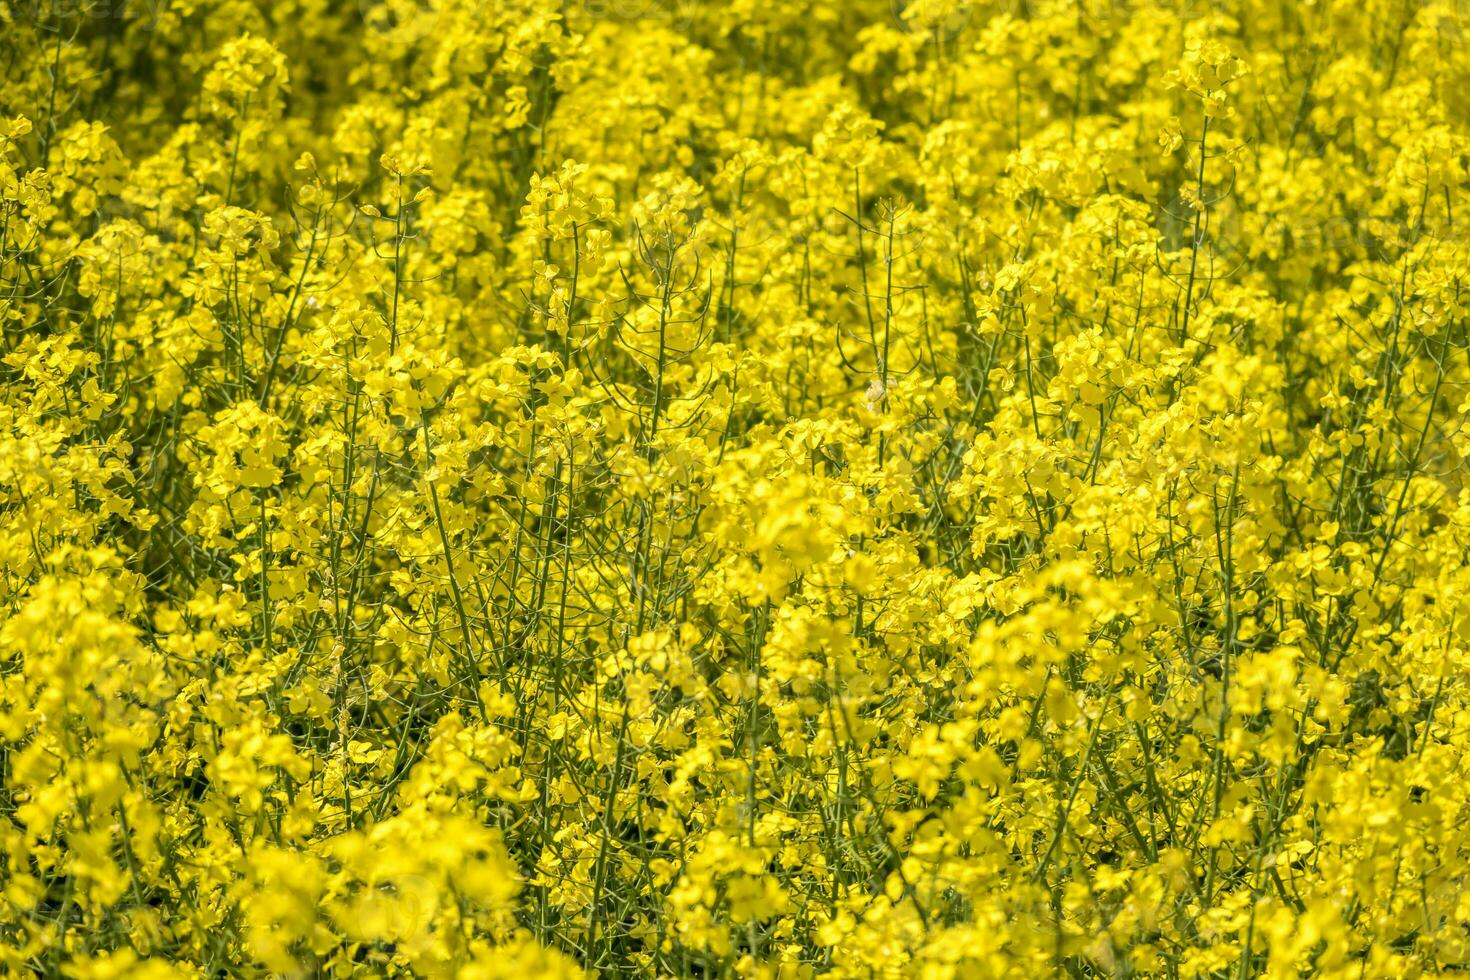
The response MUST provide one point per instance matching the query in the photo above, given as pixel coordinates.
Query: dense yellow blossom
(937, 489)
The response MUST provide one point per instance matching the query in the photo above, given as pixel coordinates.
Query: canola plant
(784, 489)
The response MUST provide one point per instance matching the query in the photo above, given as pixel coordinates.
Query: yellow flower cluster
(569, 488)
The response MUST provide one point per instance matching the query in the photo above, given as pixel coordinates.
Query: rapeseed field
(781, 489)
